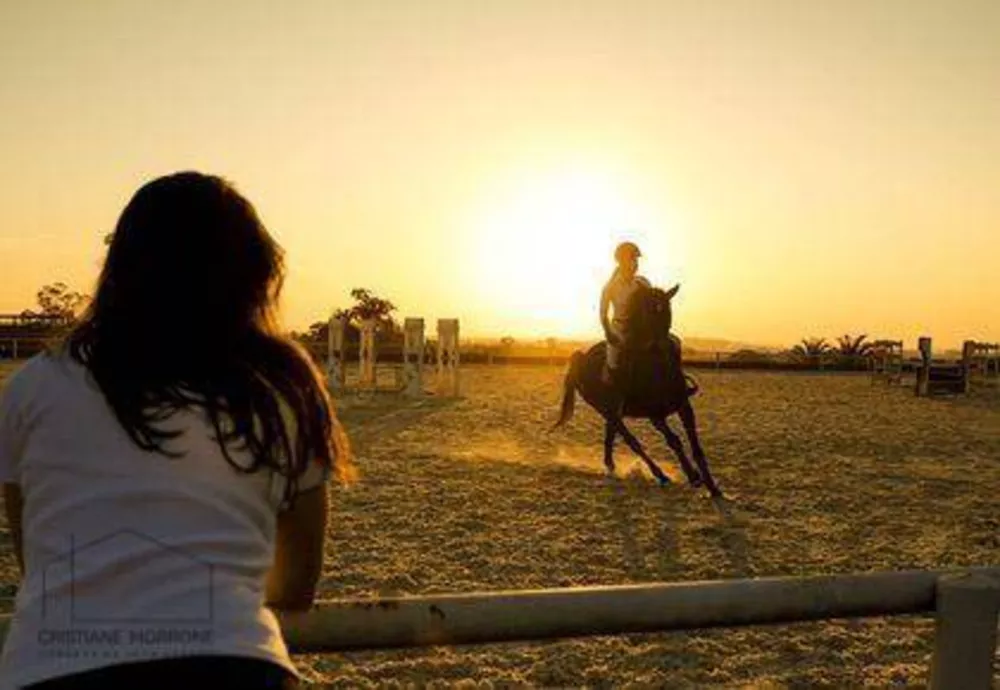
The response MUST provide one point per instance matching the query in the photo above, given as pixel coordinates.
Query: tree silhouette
(368, 306)
(812, 348)
(851, 346)
(748, 355)
(56, 300)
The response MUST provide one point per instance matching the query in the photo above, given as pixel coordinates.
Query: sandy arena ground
(829, 474)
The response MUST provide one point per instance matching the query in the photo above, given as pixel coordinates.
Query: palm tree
(811, 348)
(850, 346)
(813, 351)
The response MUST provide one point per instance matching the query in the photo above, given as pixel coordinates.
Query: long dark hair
(184, 317)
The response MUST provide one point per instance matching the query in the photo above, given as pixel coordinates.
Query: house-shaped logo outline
(70, 556)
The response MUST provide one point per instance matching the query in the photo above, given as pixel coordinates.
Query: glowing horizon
(800, 170)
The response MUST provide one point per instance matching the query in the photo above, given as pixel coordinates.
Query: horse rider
(616, 294)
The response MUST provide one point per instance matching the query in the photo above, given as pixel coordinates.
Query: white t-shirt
(619, 290)
(130, 555)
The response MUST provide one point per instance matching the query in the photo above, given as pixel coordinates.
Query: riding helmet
(627, 250)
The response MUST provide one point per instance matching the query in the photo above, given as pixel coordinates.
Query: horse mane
(641, 327)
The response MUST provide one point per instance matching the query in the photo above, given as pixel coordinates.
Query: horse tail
(569, 389)
(691, 385)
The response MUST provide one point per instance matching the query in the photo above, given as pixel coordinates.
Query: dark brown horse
(651, 385)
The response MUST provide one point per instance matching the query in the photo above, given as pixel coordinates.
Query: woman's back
(132, 555)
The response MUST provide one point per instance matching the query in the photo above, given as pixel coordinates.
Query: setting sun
(544, 245)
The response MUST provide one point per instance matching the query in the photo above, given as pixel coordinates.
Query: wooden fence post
(924, 372)
(968, 353)
(965, 637)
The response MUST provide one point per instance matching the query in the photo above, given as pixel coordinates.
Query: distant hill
(722, 345)
(692, 343)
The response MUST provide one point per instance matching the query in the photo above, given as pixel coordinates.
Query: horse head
(650, 317)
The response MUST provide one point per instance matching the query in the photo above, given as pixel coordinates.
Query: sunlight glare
(545, 248)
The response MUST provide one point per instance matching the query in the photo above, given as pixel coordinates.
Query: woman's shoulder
(40, 373)
(31, 372)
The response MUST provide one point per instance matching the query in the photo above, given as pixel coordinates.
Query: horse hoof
(664, 481)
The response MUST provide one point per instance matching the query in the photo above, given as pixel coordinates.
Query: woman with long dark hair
(165, 468)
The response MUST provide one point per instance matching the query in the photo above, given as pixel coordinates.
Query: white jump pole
(965, 606)
(335, 355)
(366, 355)
(508, 616)
(447, 357)
(413, 357)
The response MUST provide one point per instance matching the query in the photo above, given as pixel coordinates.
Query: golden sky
(801, 168)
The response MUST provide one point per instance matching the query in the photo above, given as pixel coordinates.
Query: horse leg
(686, 413)
(633, 443)
(675, 444)
(609, 446)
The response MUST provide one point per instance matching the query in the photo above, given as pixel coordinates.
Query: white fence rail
(965, 604)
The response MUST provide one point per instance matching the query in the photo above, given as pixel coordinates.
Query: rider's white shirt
(619, 291)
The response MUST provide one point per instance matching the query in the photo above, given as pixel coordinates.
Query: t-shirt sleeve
(315, 474)
(11, 434)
